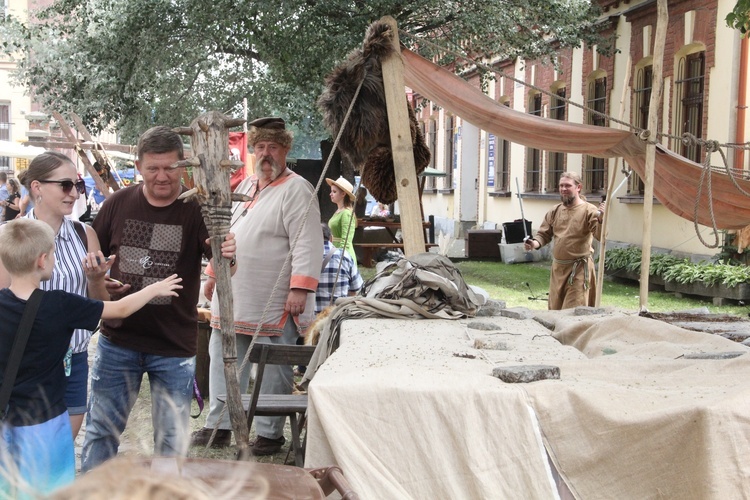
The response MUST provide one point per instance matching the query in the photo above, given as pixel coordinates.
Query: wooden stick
(662, 17)
(401, 145)
(68, 132)
(605, 220)
(98, 155)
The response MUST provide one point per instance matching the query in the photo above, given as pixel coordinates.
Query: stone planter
(739, 292)
(653, 280)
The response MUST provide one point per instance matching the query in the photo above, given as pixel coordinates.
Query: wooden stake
(401, 145)
(662, 18)
(68, 133)
(98, 155)
(605, 220)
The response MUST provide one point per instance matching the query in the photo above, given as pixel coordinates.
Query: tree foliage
(136, 63)
(739, 18)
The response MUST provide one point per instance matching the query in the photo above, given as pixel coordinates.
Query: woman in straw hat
(344, 221)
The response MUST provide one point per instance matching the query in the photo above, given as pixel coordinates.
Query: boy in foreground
(36, 447)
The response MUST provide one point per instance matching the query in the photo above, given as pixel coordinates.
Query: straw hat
(343, 185)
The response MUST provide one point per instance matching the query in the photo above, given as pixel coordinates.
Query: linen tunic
(264, 229)
(572, 276)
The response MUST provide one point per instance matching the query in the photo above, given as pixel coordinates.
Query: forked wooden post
(662, 17)
(212, 168)
(68, 133)
(401, 145)
(101, 158)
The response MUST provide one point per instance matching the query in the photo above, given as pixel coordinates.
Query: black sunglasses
(67, 185)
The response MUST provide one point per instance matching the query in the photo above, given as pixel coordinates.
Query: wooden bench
(370, 249)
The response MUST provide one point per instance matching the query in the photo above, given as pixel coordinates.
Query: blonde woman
(344, 222)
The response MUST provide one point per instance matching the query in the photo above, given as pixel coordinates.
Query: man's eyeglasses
(68, 186)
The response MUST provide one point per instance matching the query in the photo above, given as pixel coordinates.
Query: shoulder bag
(19, 346)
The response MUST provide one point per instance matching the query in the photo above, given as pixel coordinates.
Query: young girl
(344, 222)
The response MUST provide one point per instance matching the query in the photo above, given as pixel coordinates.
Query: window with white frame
(642, 92)
(533, 181)
(498, 160)
(431, 136)
(595, 174)
(556, 160)
(449, 152)
(4, 132)
(689, 102)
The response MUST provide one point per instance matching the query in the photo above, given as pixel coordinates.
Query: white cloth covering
(405, 417)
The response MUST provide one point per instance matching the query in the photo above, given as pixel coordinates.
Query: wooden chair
(293, 406)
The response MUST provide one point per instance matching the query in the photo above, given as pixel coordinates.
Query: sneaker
(222, 439)
(265, 446)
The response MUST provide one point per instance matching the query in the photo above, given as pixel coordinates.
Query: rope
(642, 133)
(313, 198)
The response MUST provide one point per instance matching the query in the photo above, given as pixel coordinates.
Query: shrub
(679, 270)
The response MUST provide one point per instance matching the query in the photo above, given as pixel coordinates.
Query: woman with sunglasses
(54, 187)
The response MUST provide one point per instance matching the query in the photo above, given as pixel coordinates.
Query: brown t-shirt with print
(152, 243)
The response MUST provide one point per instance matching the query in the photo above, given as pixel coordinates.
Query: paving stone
(492, 344)
(491, 308)
(526, 373)
(714, 355)
(516, 313)
(746, 342)
(588, 311)
(478, 325)
(549, 325)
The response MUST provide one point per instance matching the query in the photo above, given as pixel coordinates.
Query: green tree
(135, 63)
(739, 18)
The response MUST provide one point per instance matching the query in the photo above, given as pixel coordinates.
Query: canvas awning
(676, 179)
(16, 150)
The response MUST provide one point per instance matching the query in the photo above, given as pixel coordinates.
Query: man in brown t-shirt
(153, 235)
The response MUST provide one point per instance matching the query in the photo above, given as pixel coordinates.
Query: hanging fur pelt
(365, 141)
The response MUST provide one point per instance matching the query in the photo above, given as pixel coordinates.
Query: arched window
(556, 160)
(498, 159)
(595, 172)
(534, 156)
(689, 100)
(642, 97)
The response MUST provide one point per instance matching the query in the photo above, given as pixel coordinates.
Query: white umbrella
(15, 150)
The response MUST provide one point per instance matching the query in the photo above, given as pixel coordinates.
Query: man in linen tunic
(266, 227)
(572, 224)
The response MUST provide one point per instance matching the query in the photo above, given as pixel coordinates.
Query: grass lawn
(518, 284)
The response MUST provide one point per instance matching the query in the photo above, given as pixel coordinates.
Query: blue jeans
(115, 382)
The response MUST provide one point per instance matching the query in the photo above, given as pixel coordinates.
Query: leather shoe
(266, 446)
(222, 439)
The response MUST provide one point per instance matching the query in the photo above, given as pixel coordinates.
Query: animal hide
(365, 141)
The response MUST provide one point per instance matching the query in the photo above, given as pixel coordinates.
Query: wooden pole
(662, 18)
(212, 167)
(401, 145)
(98, 155)
(68, 133)
(605, 220)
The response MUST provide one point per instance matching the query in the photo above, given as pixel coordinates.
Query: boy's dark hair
(3, 177)
(158, 140)
(22, 241)
(42, 166)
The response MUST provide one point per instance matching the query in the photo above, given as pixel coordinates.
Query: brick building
(480, 185)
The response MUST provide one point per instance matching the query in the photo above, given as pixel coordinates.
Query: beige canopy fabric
(676, 179)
